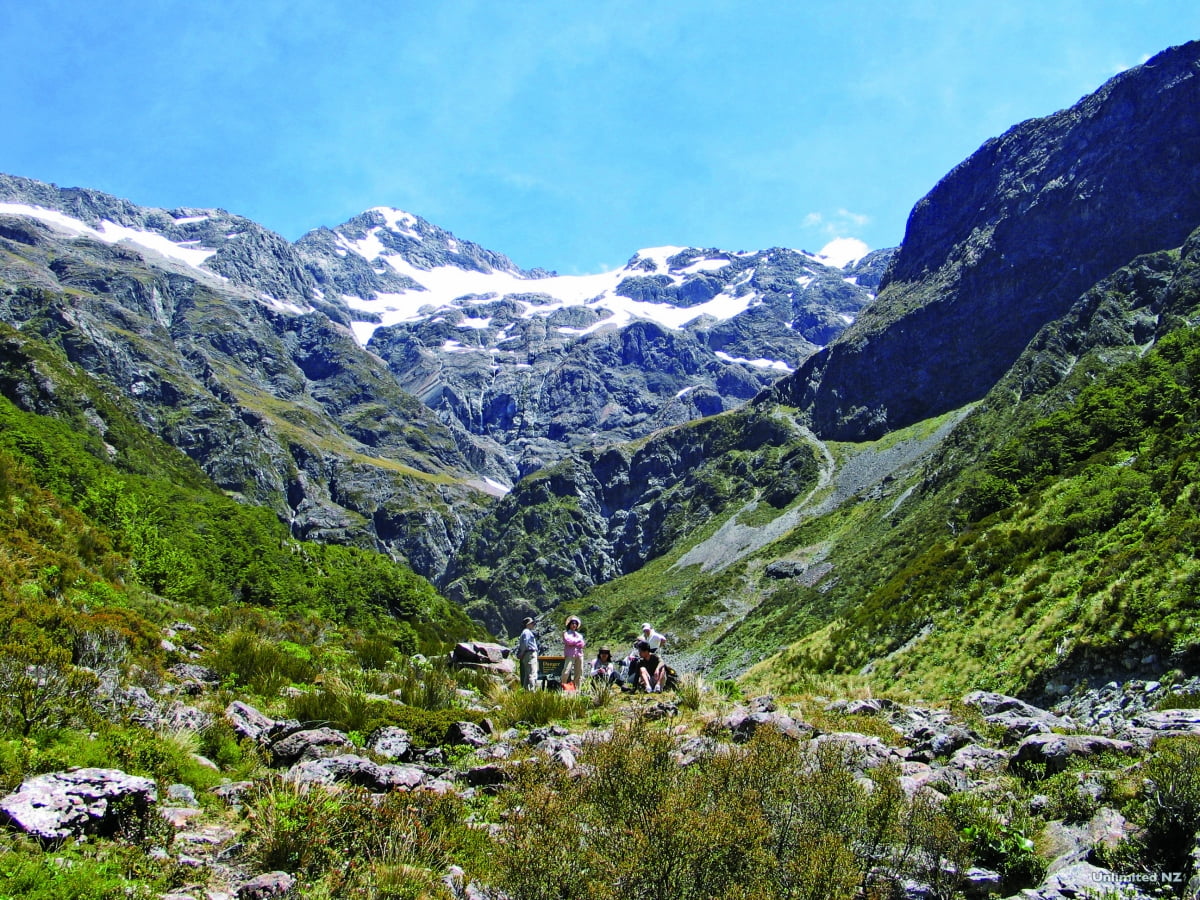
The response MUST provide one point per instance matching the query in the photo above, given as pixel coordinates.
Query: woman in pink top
(573, 644)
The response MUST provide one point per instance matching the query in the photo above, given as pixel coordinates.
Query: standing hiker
(573, 644)
(527, 656)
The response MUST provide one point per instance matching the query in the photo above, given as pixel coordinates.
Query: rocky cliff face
(1007, 241)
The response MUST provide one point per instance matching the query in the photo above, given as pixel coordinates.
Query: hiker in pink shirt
(573, 644)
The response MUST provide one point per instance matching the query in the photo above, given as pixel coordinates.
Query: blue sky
(564, 134)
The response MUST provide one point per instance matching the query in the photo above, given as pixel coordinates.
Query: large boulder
(466, 734)
(485, 656)
(391, 743)
(87, 801)
(1055, 751)
(350, 769)
(742, 724)
(308, 744)
(248, 722)
(1015, 717)
(265, 887)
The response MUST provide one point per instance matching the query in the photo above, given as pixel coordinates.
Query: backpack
(671, 682)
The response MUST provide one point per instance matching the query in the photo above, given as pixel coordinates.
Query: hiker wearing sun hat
(573, 644)
(527, 656)
(656, 641)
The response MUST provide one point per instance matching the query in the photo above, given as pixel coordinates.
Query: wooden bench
(550, 669)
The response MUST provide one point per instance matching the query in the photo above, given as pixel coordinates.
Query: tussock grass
(543, 707)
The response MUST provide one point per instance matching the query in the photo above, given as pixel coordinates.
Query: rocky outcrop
(1056, 751)
(1006, 242)
(84, 801)
(350, 769)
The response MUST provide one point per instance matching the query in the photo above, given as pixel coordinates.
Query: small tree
(39, 688)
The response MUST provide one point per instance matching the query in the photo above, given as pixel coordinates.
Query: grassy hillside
(92, 522)
(1043, 537)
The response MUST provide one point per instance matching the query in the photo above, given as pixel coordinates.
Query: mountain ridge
(981, 261)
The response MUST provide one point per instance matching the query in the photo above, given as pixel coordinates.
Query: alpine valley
(966, 462)
(922, 531)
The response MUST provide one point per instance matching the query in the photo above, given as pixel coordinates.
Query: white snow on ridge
(450, 287)
(111, 233)
(704, 265)
(398, 220)
(659, 256)
(757, 363)
(447, 284)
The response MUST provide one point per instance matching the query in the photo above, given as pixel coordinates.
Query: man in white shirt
(653, 638)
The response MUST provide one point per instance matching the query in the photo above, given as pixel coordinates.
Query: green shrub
(761, 821)
(1070, 799)
(998, 836)
(374, 652)
(336, 704)
(297, 829)
(1168, 808)
(140, 751)
(259, 664)
(1179, 701)
(400, 844)
(40, 688)
(428, 685)
(691, 687)
(221, 744)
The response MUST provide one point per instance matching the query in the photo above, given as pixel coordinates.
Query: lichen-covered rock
(311, 743)
(86, 801)
(266, 886)
(391, 743)
(356, 770)
(466, 733)
(248, 722)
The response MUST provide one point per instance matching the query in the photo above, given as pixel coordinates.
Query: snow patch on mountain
(449, 287)
(111, 233)
(757, 363)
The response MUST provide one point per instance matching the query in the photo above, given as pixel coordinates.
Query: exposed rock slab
(85, 801)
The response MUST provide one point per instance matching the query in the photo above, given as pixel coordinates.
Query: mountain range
(792, 464)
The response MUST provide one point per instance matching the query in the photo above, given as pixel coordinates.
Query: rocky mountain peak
(208, 242)
(1007, 241)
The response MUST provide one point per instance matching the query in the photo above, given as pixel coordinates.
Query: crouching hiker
(647, 672)
(527, 656)
(604, 668)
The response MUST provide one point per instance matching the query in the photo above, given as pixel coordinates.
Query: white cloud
(836, 224)
(842, 251)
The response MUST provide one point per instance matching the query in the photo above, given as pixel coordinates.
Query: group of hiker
(642, 669)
